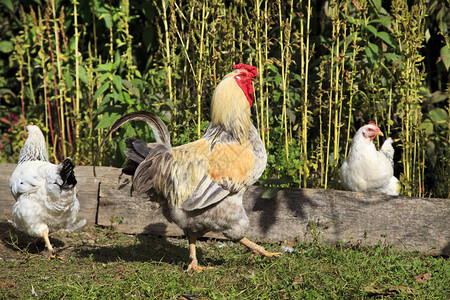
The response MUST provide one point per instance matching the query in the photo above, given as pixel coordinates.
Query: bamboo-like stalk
(337, 103)
(167, 61)
(200, 69)
(321, 160)
(128, 38)
(55, 86)
(266, 58)
(284, 85)
(305, 96)
(29, 66)
(330, 106)
(59, 96)
(259, 59)
(409, 39)
(22, 87)
(20, 60)
(389, 111)
(303, 137)
(49, 124)
(77, 80)
(351, 90)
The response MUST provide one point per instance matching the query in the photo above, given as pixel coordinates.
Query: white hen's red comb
(374, 124)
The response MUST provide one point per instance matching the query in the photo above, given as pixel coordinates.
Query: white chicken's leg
(49, 246)
(257, 249)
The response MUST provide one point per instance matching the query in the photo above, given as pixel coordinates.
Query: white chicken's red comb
(249, 68)
(374, 124)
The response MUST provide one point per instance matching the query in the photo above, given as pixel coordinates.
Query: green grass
(100, 264)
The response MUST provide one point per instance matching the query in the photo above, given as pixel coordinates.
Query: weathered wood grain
(335, 216)
(332, 216)
(6, 199)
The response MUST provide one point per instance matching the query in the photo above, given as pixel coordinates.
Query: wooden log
(6, 199)
(328, 215)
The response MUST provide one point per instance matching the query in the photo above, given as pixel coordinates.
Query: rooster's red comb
(249, 68)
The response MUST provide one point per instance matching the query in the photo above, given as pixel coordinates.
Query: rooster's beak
(379, 133)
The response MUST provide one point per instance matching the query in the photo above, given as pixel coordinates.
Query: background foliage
(326, 68)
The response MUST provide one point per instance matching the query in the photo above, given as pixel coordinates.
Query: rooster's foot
(257, 249)
(194, 267)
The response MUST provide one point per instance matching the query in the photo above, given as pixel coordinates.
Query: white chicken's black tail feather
(67, 174)
(158, 127)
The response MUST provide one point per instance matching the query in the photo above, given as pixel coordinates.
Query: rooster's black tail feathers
(67, 174)
(158, 127)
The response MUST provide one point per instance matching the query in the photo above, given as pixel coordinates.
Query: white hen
(45, 193)
(366, 169)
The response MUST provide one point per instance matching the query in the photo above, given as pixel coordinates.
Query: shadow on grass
(19, 242)
(146, 248)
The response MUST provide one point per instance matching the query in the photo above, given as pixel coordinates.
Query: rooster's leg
(193, 265)
(49, 246)
(257, 249)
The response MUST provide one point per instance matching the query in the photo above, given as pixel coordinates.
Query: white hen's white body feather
(45, 193)
(41, 205)
(368, 170)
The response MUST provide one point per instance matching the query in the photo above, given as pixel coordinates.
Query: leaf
(374, 48)
(9, 5)
(431, 155)
(6, 46)
(104, 67)
(445, 56)
(107, 120)
(394, 58)
(101, 90)
(377, 4)
(384, 21)
(117, 80)
(371, 29)
(427, 126)
(83, 74)
(127, 98)
(68, 78)
(386, 38)
(438, 115)
(116, 60)
(103, 13)
(104, 76)
(371, 52)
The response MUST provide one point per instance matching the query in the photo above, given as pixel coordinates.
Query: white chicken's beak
(379, 133)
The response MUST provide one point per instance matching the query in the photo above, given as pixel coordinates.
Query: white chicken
(366, 169)
(45, 193)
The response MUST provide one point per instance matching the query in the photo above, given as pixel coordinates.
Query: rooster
(200, 185)
(366, 169)
(45, 193)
